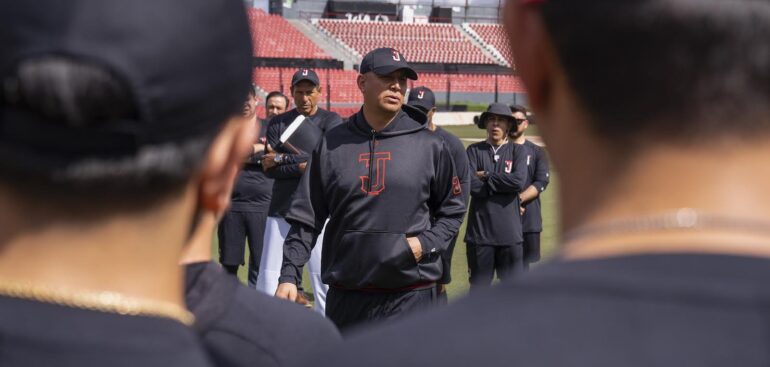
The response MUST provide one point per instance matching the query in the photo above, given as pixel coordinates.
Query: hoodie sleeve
(446, 205)
(510, 182)
(307, 216)
(478, 188)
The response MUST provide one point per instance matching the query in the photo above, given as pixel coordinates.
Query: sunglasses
(519, 121)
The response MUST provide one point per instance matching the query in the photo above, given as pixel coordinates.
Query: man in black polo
(538, 177)
(424, 100)
(493, 235)
(390, 191)
(287, 167)
(245, 220)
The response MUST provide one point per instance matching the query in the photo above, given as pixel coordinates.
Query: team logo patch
(304, 72)
(421, 94)
(377, 186)
(508, 166)
(456, 187)
(396, 56)
(529, 157)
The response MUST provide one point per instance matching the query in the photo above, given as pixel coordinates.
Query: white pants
(276, 231)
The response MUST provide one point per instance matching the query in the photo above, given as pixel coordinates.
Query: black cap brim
(424, 107)
(387, 70)
(315, 82)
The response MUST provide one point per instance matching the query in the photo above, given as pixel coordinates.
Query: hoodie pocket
(373, 259)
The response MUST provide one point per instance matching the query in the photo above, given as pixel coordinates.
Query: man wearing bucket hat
(498, 172)
(390, 191)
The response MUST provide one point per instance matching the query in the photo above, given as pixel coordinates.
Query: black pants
(484, 261)
(352, 309)
(531, 248)
(234, 229)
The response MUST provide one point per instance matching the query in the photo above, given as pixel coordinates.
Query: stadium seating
(493, 35)
(346, 97)
(420, 43)
(470, 83)
(273, 37)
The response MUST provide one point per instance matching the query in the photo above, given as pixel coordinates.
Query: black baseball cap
(305, 74)
(498, 109)
(383, 61)
(185, 63)
(422, 98)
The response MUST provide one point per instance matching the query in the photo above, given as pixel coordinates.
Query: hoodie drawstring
(371, 160)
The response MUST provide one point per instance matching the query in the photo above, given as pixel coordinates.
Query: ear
(223, 161)
(361, 81)
(531, 47)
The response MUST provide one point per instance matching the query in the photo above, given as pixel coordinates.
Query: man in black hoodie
(390, 191)
(286, 167)
(499, 170)
(423, 99)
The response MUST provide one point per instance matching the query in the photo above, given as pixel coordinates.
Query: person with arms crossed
(389, 189)
(111, 144)
(286, 167)
(499, 169)
(245, 219)
(658, 266)
(424, 100)
(538, 177)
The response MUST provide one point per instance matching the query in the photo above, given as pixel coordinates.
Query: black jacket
(463, 172)
(44, 334)
(630, 311)
(538, 175)
(241, 327)
(287, 175)
(494, 218)
(374, 207)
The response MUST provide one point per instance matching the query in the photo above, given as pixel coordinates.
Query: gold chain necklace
(102, 301)
(679, 219)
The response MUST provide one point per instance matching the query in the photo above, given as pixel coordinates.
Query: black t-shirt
(653, 310)
(253, 189)
(239, 326)
(41, 334)
(538, 175)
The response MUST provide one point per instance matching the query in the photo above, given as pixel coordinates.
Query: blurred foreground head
(631, 91)
(114, 97)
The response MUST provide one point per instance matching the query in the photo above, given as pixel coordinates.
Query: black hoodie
(373, 208)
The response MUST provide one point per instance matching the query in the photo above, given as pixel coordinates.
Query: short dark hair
(277, 94)
(74, 93)
(680, 68)
(519, 108)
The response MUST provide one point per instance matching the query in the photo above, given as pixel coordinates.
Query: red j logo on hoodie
(377, 173)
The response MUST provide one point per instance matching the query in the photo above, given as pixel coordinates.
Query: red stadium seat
(494, 35)
(274, 37)
(420, 43)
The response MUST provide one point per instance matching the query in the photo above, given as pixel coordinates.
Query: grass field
(459, 285)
